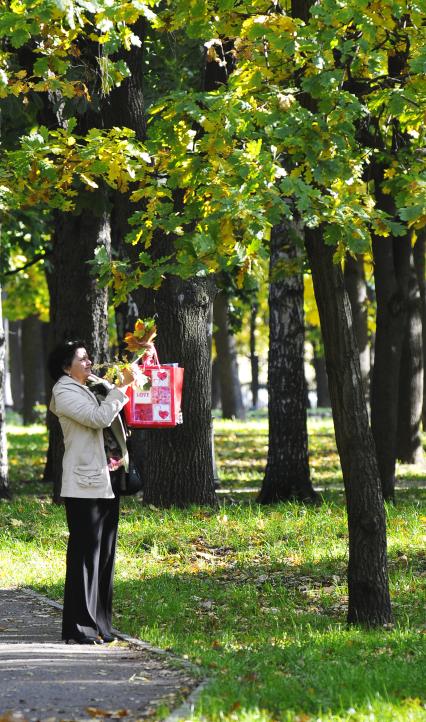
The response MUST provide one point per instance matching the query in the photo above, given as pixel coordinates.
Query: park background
(252, 177)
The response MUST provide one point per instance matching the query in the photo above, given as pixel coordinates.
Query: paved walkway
(42, 679)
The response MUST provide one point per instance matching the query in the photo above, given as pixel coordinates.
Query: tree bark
(356, 289)
(420, 265)
(369, 601)
(254, 358)
(409, 442)
(391, 272)
(215, 385)
(177, 463)
(33, 364)
(287, 471)
(16, 373)
(4, 469)
(226, 361)
(79, 307)
(323, 394)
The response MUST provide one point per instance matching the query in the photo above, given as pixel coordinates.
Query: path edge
(186, 709)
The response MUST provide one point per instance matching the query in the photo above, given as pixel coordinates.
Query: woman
(91, 506)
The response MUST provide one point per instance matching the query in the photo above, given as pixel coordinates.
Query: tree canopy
(310, 109)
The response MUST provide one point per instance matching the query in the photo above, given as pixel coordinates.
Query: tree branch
(33, 261)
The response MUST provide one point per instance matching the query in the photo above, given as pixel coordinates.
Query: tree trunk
(33, 364)
(356, 289)
(177, 464)
(16, 373)
(79, 307)
(323, 394)
(369, 601)
(420, 265)
(254, 358)
(4, 470)
(226, 361)
(391, 271)
(409, 442)
(215, 385)
(287, 471)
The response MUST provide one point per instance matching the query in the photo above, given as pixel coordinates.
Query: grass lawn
(256, 596)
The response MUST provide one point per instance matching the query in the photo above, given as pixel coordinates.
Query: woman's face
(81, 366)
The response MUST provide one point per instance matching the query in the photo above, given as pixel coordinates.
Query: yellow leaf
(227, 234)
(389, 172)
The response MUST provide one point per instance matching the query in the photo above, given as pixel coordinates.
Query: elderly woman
(91, 505)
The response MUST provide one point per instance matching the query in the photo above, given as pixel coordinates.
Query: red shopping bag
(158, 406)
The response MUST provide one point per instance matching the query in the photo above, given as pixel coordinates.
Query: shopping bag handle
(154, 361)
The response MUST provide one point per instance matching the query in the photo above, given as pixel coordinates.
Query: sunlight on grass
(256, 596)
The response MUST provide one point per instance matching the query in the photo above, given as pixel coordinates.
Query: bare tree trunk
(4, 469)
(323, 394)
(369, 600)
(16, 373)
(177, 463)
(254, 358)
(391, 271)
(215, 385)
(420, 265)
(287, 471)
(33, 365)
(356, 289)
(409, 442)
(226, 361)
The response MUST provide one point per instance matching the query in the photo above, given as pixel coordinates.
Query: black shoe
(108, 638)
(85, 640)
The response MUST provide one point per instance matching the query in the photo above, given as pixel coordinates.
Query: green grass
(254, 595)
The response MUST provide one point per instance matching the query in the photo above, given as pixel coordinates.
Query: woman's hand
(129, 374)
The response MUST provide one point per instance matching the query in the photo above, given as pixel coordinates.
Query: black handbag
(132, 480)
(127, 483)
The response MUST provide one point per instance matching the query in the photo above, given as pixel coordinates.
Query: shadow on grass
(273, 638)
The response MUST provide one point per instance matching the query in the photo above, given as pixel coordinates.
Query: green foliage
(24, 249)
(310, 109)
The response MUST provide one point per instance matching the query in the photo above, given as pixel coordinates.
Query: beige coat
(85, 472)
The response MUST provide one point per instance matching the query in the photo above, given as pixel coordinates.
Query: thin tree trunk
(420, 265)
(16, 373)
(226, 361)
(323, 394)
(287, 472)
(215, 385)
(369, 601)
(33, 364)
(391, 271)
(409, 442)
(4, 469)
(216, 479)
(79, 307)
(177, 464)
(254, 358)
(356, 289)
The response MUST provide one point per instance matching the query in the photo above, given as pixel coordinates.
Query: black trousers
(92, 525)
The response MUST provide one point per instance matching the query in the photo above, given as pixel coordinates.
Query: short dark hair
(61, 357)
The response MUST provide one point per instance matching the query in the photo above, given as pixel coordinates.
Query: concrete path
(42, 679)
